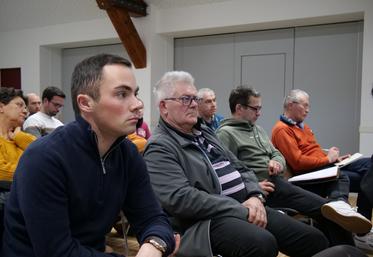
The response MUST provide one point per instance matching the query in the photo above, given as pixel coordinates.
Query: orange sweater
(299, 147)
(139, 141)
(11, 151)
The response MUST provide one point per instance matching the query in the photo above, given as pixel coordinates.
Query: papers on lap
(349, 160)
(318, 176)
(326, 174)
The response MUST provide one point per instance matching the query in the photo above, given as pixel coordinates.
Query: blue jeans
(355, 172)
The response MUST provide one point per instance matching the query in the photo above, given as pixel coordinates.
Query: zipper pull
(103, 166)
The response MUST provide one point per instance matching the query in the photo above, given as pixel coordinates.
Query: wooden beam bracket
(119, 12)
(136, 8)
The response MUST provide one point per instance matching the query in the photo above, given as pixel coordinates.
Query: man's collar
(196, 127)
(289, 121)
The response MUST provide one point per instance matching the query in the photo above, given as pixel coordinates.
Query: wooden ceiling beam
(119, 14)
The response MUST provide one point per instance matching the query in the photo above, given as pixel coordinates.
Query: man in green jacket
(250, 143)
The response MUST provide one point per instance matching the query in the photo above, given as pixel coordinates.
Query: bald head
(33, 103)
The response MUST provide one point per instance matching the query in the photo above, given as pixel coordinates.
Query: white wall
(24, 48)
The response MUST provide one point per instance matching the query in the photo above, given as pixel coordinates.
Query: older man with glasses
(298, 144)
(214, 201)
(44, 122)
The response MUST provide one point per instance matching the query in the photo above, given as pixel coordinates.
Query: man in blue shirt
(207, 108)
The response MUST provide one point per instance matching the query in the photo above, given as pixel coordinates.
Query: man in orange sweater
(298, 144)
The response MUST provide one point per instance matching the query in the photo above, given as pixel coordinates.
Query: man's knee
(261, 244)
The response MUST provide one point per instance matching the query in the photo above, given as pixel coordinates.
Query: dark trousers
(334, 190)
(287, 195)
(355, 172)
(235, 237)
(341, 251)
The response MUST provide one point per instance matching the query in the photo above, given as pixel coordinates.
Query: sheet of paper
(315, 175)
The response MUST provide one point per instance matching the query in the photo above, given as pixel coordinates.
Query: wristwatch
(260, 197)
(157, 243)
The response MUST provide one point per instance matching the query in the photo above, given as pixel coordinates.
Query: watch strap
(157, 243)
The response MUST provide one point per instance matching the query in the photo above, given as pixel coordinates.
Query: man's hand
(341, 158)
(148, 250)
(177, 245)
(274, 167)
(257, 212)
(333, 154)
(267, 187)
(12, 133)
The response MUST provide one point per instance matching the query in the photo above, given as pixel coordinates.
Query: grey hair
(204, 91)
(166, 85)
(294, 97)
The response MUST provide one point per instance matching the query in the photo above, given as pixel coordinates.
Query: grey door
(327, 65)
(323, 60)
(264, 60)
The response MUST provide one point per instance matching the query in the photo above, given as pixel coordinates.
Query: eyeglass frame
(253, 108)
(185, 99)
(305, 106)
(57, 105)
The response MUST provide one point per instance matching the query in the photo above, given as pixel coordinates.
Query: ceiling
(26, 14)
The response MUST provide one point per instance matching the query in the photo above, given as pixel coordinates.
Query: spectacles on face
(253, 108)
(185, 99)
(57, 105)
(304, 105)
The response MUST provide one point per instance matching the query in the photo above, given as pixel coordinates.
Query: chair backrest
(4, 192)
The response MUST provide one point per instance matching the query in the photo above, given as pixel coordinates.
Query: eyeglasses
(304, 105)
(57, 105)
(253, 108)
(186, 99)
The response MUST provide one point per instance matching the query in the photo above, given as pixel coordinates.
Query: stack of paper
(317, 176)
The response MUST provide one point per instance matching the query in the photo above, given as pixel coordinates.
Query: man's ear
(85, 103)
(2, 107)
(163, 108)
(238, 108)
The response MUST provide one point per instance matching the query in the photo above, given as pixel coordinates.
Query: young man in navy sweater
(70, 186)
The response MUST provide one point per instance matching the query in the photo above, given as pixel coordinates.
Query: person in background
(142, 128)
(44, 122)
(70, 185)
(297, 142)
(142, 132)
(13, 141)
(207, 108)
(33, 103)
(213, 200)
(251, 144)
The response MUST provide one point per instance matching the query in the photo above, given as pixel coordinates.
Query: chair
(4, 191)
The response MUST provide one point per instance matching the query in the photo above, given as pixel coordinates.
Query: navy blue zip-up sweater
(65, 198)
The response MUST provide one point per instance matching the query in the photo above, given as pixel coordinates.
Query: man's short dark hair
(240, 95)
(7, 94)
(49, 92)
(87, 76)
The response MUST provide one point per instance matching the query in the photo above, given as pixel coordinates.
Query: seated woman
(13, 141)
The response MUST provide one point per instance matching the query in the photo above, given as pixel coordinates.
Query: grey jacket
(188, 188)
